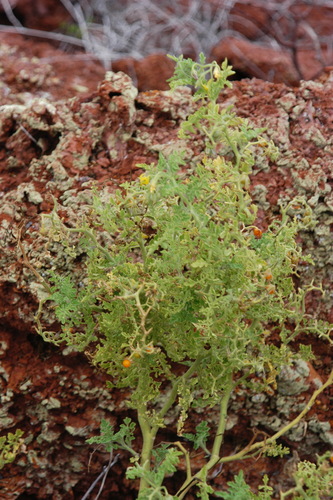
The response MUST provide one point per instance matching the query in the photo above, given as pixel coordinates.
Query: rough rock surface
(65, 128)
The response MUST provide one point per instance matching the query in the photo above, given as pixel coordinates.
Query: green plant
(238, 488)
(182, 291)
(313, 481)
(10, 446)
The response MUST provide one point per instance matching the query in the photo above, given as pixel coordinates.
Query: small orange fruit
(257, 232)
(268, 275)
(126, 363)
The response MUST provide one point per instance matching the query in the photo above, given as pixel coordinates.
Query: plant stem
(296, 489)
(214, 460)
(286, 428)
(187, 460)
(149, 431)
(215, 455)
(148, 436)
(90, 235)
(174, 392)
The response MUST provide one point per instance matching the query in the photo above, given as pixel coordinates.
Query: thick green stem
(149, 431)
(148, 436)
(215, 455)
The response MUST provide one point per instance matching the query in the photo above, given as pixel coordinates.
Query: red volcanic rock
(149, 73)
(261, 62)
(249, 20)
(273, 41)
(40, 14)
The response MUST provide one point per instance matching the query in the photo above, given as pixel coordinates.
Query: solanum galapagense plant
(182, 291)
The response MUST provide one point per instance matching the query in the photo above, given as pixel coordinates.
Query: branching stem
(215, 455)
(149, 431)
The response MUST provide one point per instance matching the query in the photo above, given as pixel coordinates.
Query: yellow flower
(144, 180)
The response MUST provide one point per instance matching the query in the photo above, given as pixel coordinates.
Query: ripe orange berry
(126, 363)
(257, 232)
